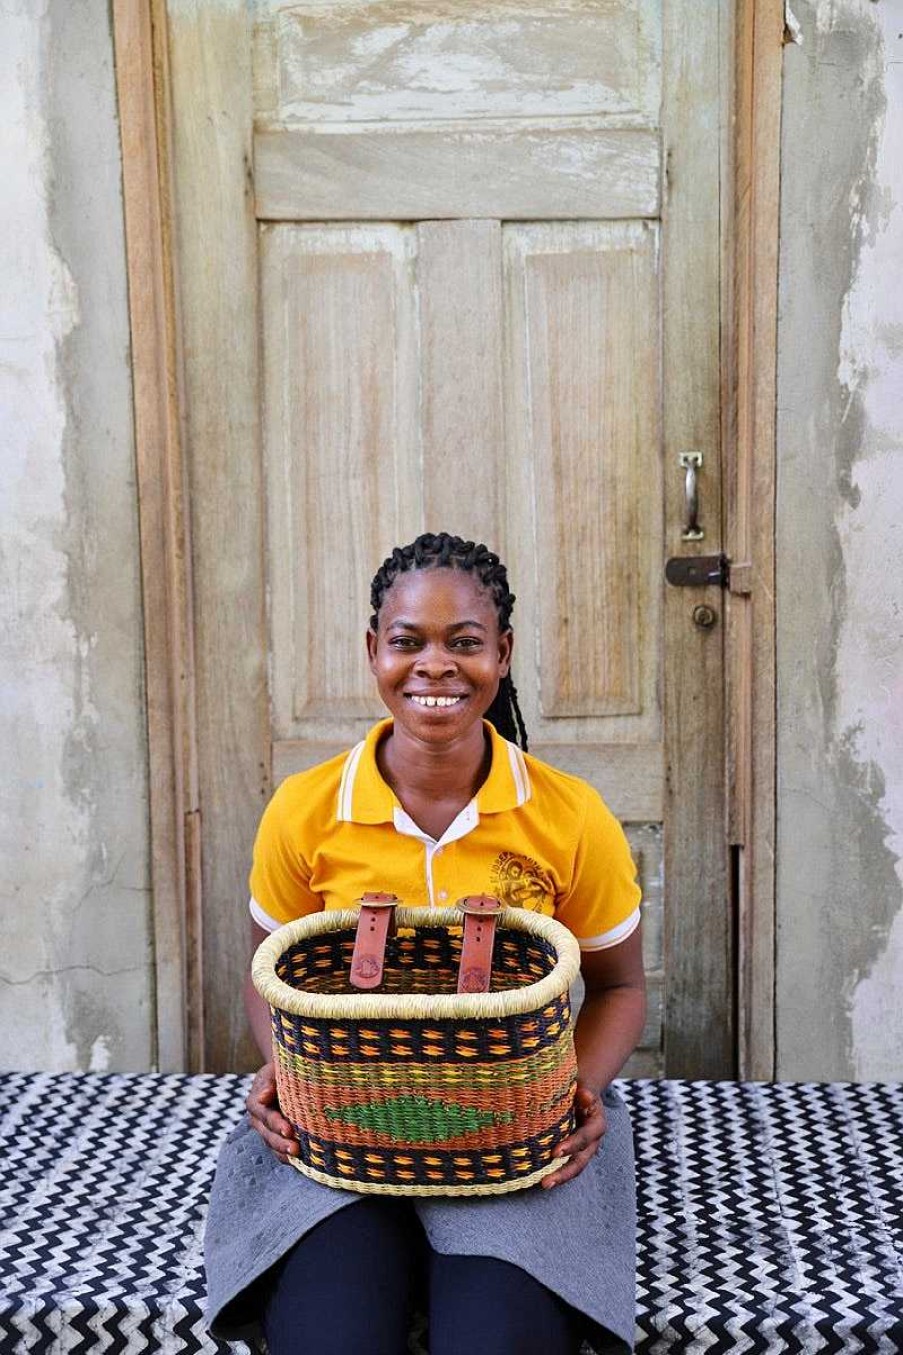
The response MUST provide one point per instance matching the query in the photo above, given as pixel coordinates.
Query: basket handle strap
(480, 914)
(376, 915)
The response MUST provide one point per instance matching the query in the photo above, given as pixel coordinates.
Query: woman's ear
(371, 647)
(506, 646)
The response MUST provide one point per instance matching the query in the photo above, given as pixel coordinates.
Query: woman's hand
(585, 1140)
(266, 1117)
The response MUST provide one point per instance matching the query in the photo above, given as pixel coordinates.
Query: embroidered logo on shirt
(521, 882)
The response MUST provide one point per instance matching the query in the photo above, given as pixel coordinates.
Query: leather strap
(480, 914)
(376, 915)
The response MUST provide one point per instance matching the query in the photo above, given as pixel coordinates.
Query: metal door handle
(691, 461)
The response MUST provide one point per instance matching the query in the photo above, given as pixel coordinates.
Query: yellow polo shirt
(532, 836)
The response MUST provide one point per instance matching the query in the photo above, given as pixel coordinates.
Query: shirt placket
(463, 824)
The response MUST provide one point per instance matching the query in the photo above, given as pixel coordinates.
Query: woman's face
(438, 656)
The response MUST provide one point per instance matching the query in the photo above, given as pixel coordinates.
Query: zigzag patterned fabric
(103, 1194)
(770, 1216)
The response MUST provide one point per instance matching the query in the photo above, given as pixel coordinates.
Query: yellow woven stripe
(441, 1076)
(546, 1085)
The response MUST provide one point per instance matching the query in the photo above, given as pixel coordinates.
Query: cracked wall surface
(840, 546)
(76, 961)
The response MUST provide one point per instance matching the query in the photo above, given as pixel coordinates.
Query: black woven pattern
(421, 961)
(434, 1166)
(770, 1217)
(421, 1041)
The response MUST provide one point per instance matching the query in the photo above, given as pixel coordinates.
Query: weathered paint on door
(463, 303)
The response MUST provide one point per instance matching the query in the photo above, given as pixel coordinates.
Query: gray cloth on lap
(578, 1239)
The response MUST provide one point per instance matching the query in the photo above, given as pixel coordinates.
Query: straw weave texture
(416, 1089)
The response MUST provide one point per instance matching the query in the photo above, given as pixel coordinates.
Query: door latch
(708, 571)
(698, 571)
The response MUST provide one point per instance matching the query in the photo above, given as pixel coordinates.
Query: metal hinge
(708, 571)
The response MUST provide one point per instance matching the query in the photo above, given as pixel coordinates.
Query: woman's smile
(437, 702)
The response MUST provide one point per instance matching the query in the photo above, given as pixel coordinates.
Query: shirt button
(443, 894)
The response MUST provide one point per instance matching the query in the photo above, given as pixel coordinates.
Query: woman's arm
(608, 1030)
(262, 1106)
(258, 1011)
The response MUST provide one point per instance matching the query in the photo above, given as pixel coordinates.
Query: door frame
(196, 379)
(142, 85)
(749, 509)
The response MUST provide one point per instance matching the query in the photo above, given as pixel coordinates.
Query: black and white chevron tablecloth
(770, 1216)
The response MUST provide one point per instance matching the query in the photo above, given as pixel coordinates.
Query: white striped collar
(364, 797)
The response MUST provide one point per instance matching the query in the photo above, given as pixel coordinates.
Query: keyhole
(704, 617)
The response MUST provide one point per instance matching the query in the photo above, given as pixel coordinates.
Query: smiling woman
(438, 802)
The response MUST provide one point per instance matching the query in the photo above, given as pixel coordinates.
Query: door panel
(384, 110)
(412, 175)
(584, 459)
(340, 449)
(395, 59)
(462, 416)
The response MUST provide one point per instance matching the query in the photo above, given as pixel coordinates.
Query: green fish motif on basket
(417, 1119)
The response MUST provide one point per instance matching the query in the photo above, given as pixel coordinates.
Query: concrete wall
(76, 961)
(840, 546)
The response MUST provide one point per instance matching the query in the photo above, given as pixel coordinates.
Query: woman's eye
(467, 642)
(403, 642)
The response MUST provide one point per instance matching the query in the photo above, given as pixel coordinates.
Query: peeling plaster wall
(840, 546)
(76, 960)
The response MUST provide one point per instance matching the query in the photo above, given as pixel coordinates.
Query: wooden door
(458, 268)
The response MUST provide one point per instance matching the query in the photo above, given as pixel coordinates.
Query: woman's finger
(274, 1122)
(264, 1107)
(571, 1169)
(586, 1139)
(283, 1147)
(584, 1142)
(266, 1117)
(591, 1123)
(262, 1095)
(276, 1134)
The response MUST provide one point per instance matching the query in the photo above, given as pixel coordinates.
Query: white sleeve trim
(262, 919)
(615, 936)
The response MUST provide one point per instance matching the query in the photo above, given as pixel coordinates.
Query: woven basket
(416, 1090)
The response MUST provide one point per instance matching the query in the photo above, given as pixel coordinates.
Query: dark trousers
(350, 1286)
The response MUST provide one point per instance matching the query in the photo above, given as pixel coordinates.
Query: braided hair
(441, 551)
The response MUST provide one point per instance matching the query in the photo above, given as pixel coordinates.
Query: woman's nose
(434, 661)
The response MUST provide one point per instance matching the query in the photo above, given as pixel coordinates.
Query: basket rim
(414, 1006)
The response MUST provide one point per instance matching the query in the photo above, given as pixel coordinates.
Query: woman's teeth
(436, 700)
